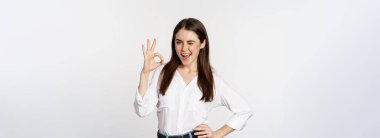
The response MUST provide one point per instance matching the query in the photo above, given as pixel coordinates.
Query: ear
(203, 44)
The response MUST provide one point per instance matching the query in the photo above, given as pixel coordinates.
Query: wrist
(144, 73)
(216, 134)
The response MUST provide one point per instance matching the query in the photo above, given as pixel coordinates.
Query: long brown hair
(205, 78)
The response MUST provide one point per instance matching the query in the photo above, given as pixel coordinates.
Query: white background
(309, 69)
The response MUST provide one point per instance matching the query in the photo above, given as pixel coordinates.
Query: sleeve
(236, 104)
(146, 105)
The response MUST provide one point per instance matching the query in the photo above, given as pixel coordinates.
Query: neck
(191, 68)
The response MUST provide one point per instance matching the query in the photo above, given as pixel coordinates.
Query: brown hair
(205, 78)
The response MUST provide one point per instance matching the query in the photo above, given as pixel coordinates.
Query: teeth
(187, 54)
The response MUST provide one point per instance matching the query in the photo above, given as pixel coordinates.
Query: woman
(186, 89)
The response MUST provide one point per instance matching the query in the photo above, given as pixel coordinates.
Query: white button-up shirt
(181, 109)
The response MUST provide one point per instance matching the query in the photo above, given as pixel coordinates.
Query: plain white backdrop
(309, 69)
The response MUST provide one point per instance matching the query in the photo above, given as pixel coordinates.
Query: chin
(186, 63)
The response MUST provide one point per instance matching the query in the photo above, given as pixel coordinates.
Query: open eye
(178, 42)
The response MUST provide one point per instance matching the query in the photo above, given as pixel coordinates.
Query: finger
(201, 133)
(203, 125)
(208, 135)
(143, 49)
(153, 45)
(200, 125)
(147, 45)
(199, 128)
(204, 136)
(160, 56)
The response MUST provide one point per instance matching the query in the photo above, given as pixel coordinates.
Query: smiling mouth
(185, 56)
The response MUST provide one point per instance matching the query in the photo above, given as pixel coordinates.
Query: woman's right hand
(149, 55)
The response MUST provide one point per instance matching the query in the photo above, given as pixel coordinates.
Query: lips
(185, 56)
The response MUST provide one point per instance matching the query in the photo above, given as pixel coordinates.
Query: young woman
(185, 89)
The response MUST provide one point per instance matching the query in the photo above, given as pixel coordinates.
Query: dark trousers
(187, 135)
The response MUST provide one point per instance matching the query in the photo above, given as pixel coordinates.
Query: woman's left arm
(223, 131)
(241, 110)
(226, 96)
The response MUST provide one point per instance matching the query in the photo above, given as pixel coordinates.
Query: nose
(185, 47)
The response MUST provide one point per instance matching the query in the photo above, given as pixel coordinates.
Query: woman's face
(187, 46)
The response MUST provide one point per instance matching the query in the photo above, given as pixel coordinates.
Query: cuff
(139, 99)
(238, 122)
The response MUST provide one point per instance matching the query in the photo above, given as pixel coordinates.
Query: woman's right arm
(146, 96)
(149, 65)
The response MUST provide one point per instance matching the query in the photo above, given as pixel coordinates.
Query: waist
(186, 135)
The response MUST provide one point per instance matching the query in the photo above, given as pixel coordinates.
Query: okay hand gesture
(149, 55)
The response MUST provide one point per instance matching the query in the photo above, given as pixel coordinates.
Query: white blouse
(181, 109)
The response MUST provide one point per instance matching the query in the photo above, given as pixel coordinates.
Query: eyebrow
(187, 41)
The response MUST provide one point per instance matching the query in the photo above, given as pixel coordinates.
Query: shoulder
(218, 79)
(221, 84)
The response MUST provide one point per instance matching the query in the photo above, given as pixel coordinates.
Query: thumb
(159, 56)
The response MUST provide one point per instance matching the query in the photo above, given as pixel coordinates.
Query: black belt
(187, 135)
